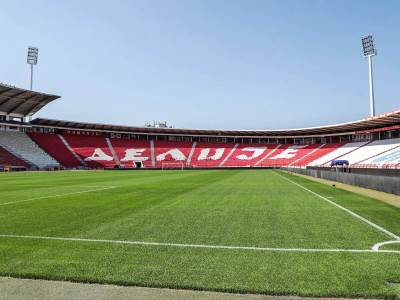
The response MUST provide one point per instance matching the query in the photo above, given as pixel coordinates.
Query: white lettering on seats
(176, 154)
(257, 151)
(288, 153)
(205, 152)
(99, 154)
(134, 155)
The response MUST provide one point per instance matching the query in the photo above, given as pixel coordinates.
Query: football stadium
(303, 212)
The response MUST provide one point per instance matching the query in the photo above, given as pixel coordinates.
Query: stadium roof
(22, 102)
(385, 120)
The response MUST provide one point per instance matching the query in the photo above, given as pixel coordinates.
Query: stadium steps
(77, 157)
(130, 151)
(209, 154)
(317, 153)
(22, 146)
(8, 159)
(92, 150)
(229, 155)
(274, 149)
(114, 155)
(388, 159)
(55, 147)
(369, 150)
(378, 148)
(189, 159)
(297, 163)
(343, 150)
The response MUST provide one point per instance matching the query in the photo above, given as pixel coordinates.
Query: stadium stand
(246, 155)
(314, 155)
(210, 155)
(370, 150)
(92, 150)
(171, 152)
(42, 143)
(130, 152)
(335, 154)
(7, 159)
(387, 159)
(20, 145)
(289, 154)
(53, 145)
(75, 151)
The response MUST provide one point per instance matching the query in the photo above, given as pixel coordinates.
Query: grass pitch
(247, 231)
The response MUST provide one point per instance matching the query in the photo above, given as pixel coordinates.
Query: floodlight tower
(32, 60)
(369, 51)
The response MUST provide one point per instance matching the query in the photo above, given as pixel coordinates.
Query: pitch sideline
(376, 226)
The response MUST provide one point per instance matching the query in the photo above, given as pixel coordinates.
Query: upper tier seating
(7, 159)
(19, 144)
(53, 144)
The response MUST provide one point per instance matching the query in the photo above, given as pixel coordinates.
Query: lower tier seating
(97, 151)
(93, 151)
(7, 159)
(54, 146)
(19, 144)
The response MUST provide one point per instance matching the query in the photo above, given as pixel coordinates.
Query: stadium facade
(47, 144)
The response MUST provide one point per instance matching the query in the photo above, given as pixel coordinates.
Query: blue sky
(204, 64)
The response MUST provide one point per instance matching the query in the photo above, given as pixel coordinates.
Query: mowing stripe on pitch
(161, 244)
(58, 195)
(376, 226)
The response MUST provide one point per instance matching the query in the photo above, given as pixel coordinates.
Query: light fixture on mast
(369, 51)
(32, 60)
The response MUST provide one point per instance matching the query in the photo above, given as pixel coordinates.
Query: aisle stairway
(20, 145)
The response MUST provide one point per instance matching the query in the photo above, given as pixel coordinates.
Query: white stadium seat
(19, 144)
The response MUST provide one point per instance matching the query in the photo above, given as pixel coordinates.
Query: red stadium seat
(93, 150)
(8, 159)
(54, 146)
(210, 154)
(131, 151)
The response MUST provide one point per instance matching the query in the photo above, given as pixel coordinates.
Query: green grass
(211, 207)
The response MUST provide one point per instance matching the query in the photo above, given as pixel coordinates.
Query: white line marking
(378, 245)
(376, 226)
(159, 244)
(58, 195)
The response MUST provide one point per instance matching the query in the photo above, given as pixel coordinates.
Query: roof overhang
(20, 102)
(372, 123)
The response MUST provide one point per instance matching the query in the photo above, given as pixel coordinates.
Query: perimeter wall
(381, 180)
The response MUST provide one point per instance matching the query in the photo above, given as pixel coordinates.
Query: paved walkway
(21, 289)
